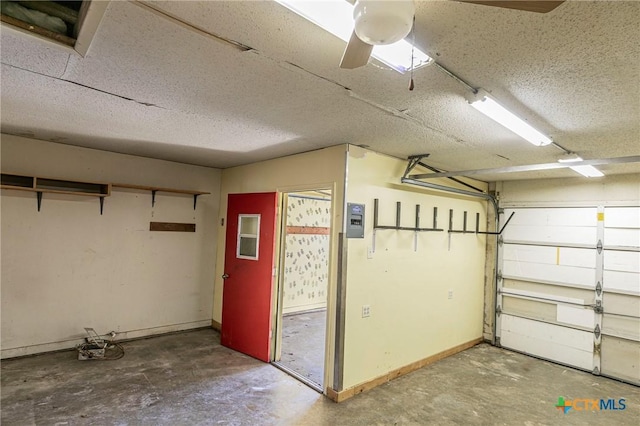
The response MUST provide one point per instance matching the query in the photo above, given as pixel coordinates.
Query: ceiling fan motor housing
(380, 22)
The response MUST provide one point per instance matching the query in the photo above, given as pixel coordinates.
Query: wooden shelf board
(17, 188)
(172, 227)
(53, 191)
(158, 189)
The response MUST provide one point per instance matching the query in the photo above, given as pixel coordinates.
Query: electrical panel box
(355, 220)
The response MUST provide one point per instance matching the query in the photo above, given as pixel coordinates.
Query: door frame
(278, 288)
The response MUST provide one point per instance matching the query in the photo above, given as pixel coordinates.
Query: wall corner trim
(333, 395)
(216, 325)
(380, 380)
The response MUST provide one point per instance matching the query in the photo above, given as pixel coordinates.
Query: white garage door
(569, 287)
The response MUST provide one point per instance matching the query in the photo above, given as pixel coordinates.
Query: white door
(568, 295)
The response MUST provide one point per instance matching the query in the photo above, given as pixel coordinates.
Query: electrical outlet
(450, 294)
(369, 253)
(366, 311)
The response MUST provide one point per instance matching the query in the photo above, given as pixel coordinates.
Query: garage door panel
(623, 261)
(549, 273)
(622, 217)
(554, 313)
(551, 291)
(621, 304)
(621, 281)
(584, 258)
(620, 358)
(622, 238)
(557, 343)
(576, 316)
(529, 308)
(621, 326)
(561, 217)
(565, 256)
(555, 235)
(570, 287)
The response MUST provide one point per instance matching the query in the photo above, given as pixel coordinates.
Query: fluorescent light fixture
(586, 171)
(492, 109)
(336, 17)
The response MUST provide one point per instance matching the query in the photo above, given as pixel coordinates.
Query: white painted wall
(412, 316)
(67, 267)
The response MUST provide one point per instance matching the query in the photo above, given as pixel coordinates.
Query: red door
(248, 273)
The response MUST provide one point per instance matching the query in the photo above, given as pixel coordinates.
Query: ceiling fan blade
(529, 6)
(356, 54)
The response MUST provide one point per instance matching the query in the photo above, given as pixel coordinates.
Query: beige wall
(67, 267)
(412, 316)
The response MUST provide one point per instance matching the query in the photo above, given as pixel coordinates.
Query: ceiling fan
(379, 22)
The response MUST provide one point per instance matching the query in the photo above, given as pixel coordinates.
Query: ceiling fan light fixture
(492, 109)
(380, 22)
(336, 17)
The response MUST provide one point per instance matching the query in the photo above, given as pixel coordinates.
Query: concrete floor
(189, 379)
(303, 337)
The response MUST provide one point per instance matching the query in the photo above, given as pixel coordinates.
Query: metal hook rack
(477, 230)
(492, 233)
(397, 226)
(464, 224)
(434, 228)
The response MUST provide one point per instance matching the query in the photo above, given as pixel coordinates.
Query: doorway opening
(301, 319)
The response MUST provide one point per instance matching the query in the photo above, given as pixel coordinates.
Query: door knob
(225, 276)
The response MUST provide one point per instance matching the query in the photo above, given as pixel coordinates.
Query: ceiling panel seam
(405, 116)
(389, 110)
(148, 104)
(158, 11)
(39, 73)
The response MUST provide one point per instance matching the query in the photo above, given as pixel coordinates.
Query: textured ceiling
(154, 87)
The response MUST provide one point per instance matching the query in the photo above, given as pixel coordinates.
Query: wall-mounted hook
(464, 224)
(492, 233)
